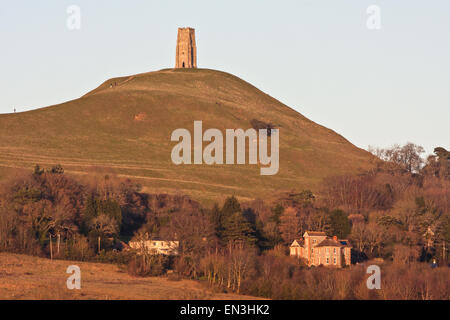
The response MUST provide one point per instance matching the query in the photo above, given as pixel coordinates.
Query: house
(168, 248)
(318, 249)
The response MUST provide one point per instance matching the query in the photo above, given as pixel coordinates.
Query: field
(124, 127)
(27, 277)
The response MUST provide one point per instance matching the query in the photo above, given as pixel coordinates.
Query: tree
(103, 228)
(230, 206)
(216, 218)
(407, 157)
(444, 162)
(233, 225)
(405, 254)
(90, 212)
(110, 208)
(290, 225)
(271, 228)
(277, 212)
(318, 220)
(340, 225)
(95, 207)
(356, 219)
(370, 238)
(241, 260)
(237, 228)
(37, 170)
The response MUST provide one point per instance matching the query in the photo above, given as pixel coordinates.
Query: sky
(375, 87)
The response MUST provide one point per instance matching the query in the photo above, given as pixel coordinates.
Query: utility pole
(58, 241)
(444, 252)
(51, 249)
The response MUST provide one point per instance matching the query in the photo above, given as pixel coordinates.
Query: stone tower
(186, 49)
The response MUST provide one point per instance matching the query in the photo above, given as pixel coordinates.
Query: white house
(168, 248)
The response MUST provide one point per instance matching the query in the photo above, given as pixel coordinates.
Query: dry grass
(127, 129)
(27, 277)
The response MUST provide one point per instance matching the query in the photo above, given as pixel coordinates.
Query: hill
(125, 125)
(27, 277)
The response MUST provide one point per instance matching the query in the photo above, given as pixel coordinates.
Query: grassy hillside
(126, 128)
(27, 277)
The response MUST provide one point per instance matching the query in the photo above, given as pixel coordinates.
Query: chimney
(335, 238)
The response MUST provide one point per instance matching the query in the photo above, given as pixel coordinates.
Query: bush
(148, 265)
(114, 256)
(77, 248)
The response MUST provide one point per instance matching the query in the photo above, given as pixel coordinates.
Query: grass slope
(27, 277)
(126, 128)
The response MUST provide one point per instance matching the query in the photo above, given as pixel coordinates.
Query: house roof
(329, 243)
(295, 244)
(315, 233)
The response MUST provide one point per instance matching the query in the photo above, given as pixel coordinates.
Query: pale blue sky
(375, 87)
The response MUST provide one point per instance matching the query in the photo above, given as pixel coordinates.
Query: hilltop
(125, 125)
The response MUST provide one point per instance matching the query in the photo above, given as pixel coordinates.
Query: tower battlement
(186, 49)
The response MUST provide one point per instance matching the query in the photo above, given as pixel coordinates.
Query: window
(334, 250)
(328, 260)
(334, 260)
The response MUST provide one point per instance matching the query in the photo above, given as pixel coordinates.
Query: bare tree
(289, 225)
(407, 157)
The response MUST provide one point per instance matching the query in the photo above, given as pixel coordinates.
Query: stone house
(318, 249)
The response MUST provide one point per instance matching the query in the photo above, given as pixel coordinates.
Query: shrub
(146, 265)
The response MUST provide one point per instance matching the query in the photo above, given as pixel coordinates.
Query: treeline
(386, 213)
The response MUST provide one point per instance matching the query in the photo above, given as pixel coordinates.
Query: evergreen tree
(233, 225)
(237, 228)
(289, 225)
(38, 170)
(277, 211)
(111, 209)
(90, 212)
(230, 206)
(340, 225)
(95, 208)
(216, 216)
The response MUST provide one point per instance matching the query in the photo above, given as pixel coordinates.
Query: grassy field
(27, 277)
(126, 129)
